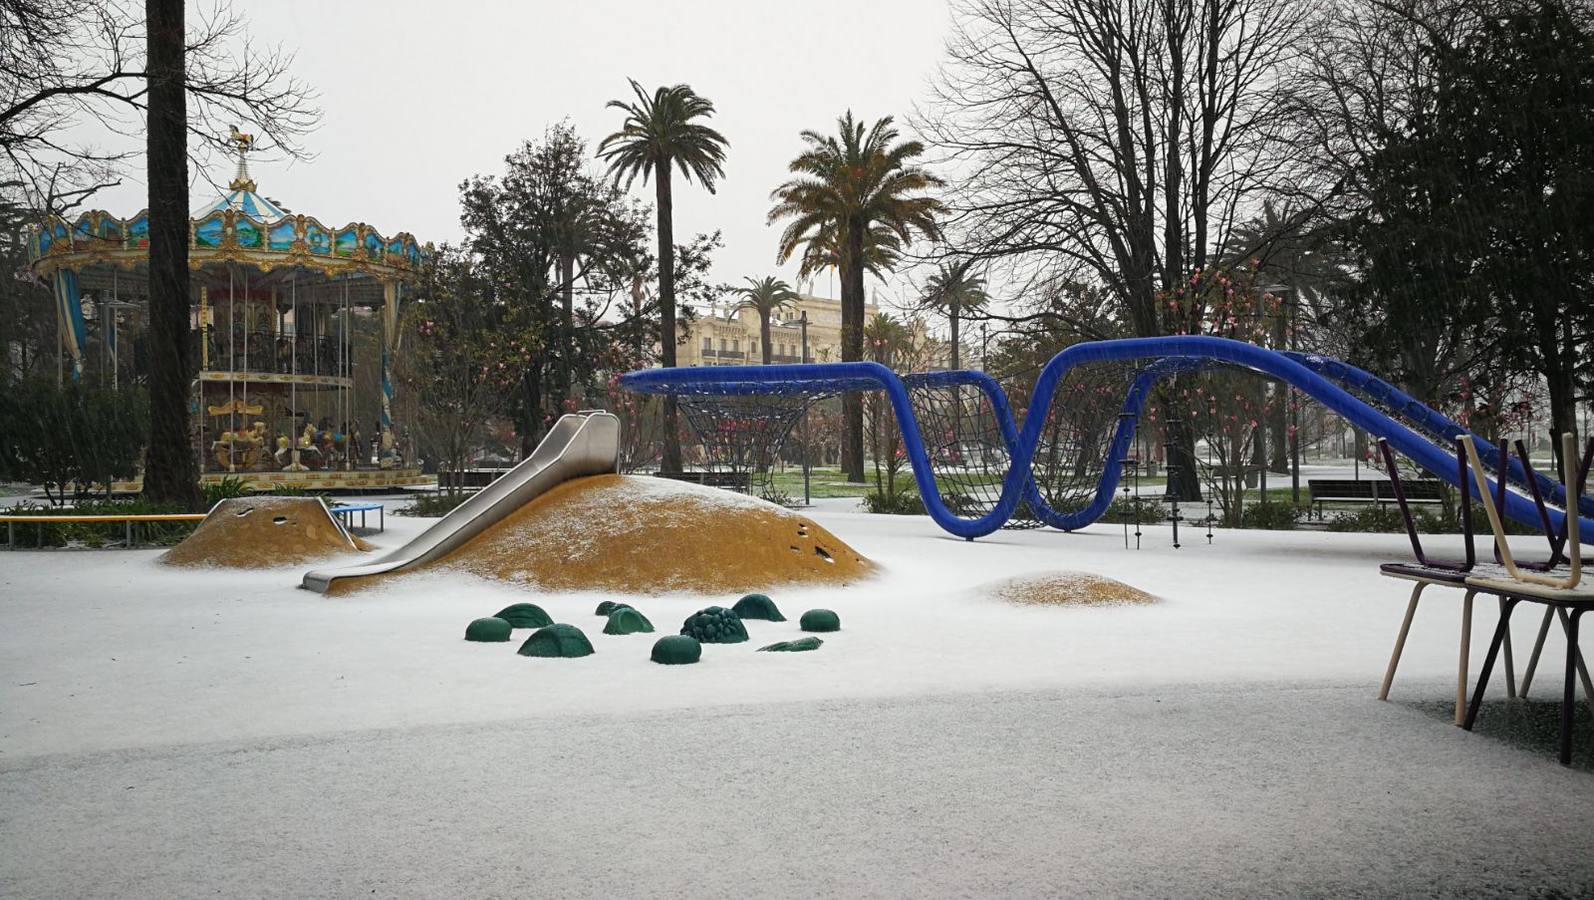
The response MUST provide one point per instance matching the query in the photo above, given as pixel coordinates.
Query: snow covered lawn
(167, 732)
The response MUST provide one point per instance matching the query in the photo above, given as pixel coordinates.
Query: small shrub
(1270, 516)
(901, 503)
(1123, 511)
(432, 506)
(1382, 519)
(225, 489)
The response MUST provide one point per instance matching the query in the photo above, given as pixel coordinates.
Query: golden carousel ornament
(285, 313)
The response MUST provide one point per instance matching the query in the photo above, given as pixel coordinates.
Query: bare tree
(1114, 142)
(66, 64)
(1372, 82)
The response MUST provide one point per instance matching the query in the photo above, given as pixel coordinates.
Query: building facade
(725, 336)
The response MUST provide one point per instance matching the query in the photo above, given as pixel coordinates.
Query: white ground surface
(175, 733)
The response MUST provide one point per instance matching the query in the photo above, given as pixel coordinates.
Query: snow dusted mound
(645, 535)
(1069, 588)
(262, 532)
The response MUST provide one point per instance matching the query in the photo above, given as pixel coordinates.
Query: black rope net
(963, 440)
(740, 438)
(1075, 444)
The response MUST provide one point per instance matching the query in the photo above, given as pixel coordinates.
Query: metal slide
(579, 444)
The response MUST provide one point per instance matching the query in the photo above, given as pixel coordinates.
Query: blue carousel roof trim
(247, 202)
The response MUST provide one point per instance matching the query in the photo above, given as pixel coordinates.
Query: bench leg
(1464, 663)
(1569, 694)
(1538, 647)
(1488, 662)
(1582, 666)
(1510, 667)
(1400, 640)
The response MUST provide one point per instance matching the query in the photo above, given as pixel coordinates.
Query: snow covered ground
(172, 733)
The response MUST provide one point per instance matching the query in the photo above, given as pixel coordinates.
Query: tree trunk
(763, 332)
(567, 328)
(952, 306)
(1563, 411)
(170, 472)
(1184, 476)
(852, 297)
(670, 461)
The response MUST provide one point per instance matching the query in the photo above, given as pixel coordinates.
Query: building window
(708, 345)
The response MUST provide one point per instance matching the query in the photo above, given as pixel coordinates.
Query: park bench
(735, 481)
(1377, 491)
(129, 522)
(346, 511)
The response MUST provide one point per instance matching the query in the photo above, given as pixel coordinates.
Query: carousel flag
(69, 318)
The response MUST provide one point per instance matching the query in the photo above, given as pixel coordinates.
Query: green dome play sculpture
(820, 620)
(489, 630)
(797, 646)
(566, 641)
(525, 615)
(626, 620)
(758, 606)
(715, 625)
(677, 650)
(607, 607)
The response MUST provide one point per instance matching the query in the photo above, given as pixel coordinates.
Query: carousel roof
(239, 226)
(244, 201)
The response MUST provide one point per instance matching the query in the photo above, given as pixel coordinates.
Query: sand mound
(645, 535)
(261, 532)
(1069, 589)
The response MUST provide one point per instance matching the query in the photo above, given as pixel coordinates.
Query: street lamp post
(803, 324)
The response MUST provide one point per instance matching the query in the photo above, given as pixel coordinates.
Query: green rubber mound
(557, 640)
(797, 646)
(524, 615)
(626, 620)
(820, 620)
(489, 630)
(608, 606)
(677, 650)
(715, 625)
(758, 606)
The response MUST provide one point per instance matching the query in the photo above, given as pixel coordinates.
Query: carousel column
(199, 382)
(390, 301)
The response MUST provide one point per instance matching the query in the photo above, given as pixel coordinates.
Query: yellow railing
(129, 521)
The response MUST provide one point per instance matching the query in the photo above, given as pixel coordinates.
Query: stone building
(723, 336)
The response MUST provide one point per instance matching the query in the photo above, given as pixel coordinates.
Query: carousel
(295, 328)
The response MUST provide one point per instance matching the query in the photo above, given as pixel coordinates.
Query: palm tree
(953, 290)
(882, 250)
(661, 130)
(846, 187)
(764, 296)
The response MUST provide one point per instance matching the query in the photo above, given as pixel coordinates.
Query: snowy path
(1178, 793)
(167, 732)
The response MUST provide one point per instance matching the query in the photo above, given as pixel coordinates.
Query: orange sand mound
(1070, 589)
(645, 535)
(261, 532)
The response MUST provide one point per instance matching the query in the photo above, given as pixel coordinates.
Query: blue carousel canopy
(243, 201)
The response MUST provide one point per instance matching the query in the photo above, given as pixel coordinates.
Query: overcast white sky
(417, 95)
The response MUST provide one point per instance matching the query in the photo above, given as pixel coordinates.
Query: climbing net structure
(742, 435)
(961, 429)
(1065, 461)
